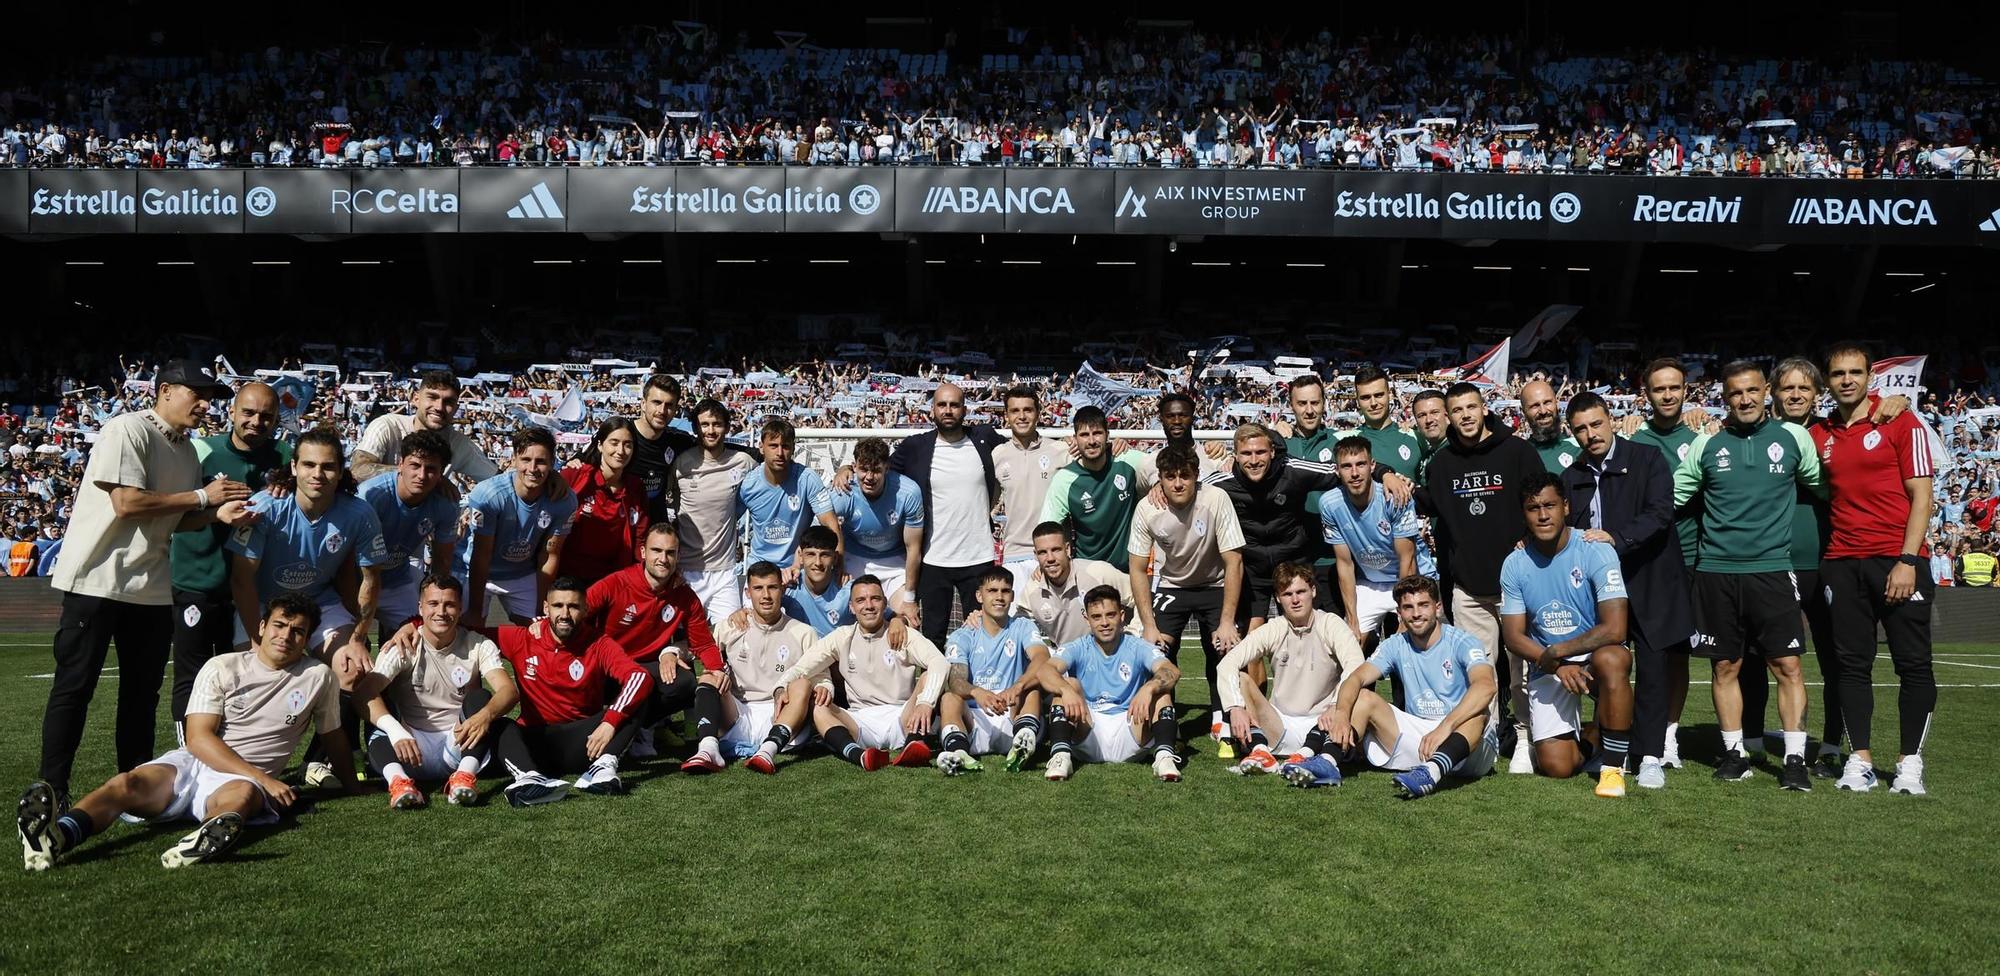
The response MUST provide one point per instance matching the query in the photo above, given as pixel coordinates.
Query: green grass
(826, 869)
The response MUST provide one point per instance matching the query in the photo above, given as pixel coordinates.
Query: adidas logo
(1793, 646)
(539, 204)
(1916, 596)
(1991, 223)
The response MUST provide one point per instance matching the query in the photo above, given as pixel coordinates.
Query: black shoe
(1794, 776)
(212, 839)
(34, 818)
(1732, 766)
(1827, 766)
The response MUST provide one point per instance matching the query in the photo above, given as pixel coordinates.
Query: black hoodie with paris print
(1474, 492)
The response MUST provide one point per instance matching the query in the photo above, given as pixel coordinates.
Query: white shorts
(1402, 754)
(1553, 710)
(1109, 739)
(194, 783)
(517, 596)
(990, 733)
(892, 574)
(439, 751)
(881, 726)
(333, 616)
(1297, 727)
(1373, 600)
(719, 592)
(753, 723)
(396, 605)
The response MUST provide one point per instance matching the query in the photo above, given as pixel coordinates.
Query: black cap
(191, 374)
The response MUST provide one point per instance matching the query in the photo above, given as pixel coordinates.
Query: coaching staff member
(142, 484)
(1622, 493)
(953, 464)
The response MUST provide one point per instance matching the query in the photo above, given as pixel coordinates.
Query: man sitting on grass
(747, 714)
(1100, 681)
(433, 719)
(1309, 650)
(992, 659)
(245, 719)
(886, 708)
(1446, 681)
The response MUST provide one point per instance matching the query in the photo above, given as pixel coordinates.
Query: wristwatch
(1911, 559)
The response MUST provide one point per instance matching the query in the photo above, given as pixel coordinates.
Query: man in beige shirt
(757, 646)
(1199, 571)
(706, 517)
(432, 407)
(142, 484)
(886, 707)
(1024, 463)
(245, 719)
(1309, 651)
(1054, 597)
(432, 716)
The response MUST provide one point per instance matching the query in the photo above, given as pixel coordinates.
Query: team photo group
(1414, 603)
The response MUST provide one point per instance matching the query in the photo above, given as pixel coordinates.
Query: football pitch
(825, 869)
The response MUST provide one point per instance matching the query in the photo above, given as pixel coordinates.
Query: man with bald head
(203, 610)
(1545, 429)
(953, 465)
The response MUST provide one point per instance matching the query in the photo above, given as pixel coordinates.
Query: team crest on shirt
(542, 521)
(1404, 451)
(1044, 459)
(1200, 527)
(424, 528)
(667, 614)
(1382, 526)
(888, 657)
(1872, 440)
(1007, 647)
(333, 541)
(1446, 666)
(589, 506)
(895, 518)
(576, 670)
(1124, 670)
(1566, 459)
(1826, 449)
(459, 676)
(1118, 481)
(1775, 453)
(1681, 452)
(1325, 454)
(296, 701)
(1576, 577)
(784, 653)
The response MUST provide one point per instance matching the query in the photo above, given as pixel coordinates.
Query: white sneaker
(1523, 762)
(1670, 757)
(1858, 776)
(1165, 769)
(1909, 776)
(1060, 766)
(602, 777)
(319, 775)
(1652, 774)
(642, 746)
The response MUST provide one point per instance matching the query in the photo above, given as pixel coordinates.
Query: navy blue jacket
(912, 460)
(1638, 510)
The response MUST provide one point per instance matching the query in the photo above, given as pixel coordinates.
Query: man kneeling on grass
(433, 719)
(247, 714)
(1446, 681)
(1117, 688)
(886, 708)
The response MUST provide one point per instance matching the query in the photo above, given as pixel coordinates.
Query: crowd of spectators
(46, 445)
(1145, 97)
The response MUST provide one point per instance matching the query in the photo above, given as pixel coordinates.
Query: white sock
(1795, 743)
(1674, 733)
(1215, 722)
(394, 772)
(767, 750)
(710, 745)
(468, 764)
(1643, 760)
(1732, 741)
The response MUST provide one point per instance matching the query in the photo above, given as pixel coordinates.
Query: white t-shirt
(126, 559)
(384, 439)
(961, 531)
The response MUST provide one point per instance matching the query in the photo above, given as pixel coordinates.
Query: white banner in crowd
(1898, 375)
(1490, 369)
